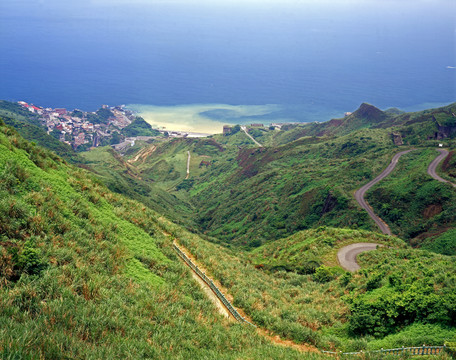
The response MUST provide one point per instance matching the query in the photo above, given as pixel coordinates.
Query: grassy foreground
(401, 297)
(86, 274)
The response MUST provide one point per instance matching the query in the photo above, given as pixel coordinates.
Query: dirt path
(359, 194)
(347, 255)
(276, 339)
(433, 166)
(210, 294)
(207, 290)
(143, 154)
(188, 165)
(250, 136)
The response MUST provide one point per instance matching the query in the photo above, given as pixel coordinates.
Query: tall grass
(87, 274)
(394, 281)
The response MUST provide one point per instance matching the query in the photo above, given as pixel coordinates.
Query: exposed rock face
(449, 164)
(432, 210)
(397, 139)
(330, 203)
(443, 131)
(204, 163)
(446, 131)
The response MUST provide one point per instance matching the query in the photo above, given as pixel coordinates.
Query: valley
(92, 234)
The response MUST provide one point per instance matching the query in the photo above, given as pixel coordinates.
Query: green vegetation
(139, 127)
(415, 205)
(304, 178)
(100, 116)
(250, 196)
(122, 177)
(448, 167)
(443, 244)
(88, 274)
(401, 295)
(96, 271)
(28, 125)
(304, 252)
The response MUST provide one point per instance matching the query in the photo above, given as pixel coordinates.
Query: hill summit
(370, 113)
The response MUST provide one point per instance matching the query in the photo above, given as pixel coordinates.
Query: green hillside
(400, 297)
(139, 127)
(96, 271)
(88, 274)
(304, 177)
(145, 179)
(416, 206)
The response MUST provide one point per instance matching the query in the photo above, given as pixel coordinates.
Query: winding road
(433, 166)
(359, 194)
(250, 136)
(347, 255)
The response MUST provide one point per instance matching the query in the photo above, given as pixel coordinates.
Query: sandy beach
(197, 118)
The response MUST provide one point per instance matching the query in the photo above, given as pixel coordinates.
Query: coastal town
(83, 129)
(116, 126)
(109, 125)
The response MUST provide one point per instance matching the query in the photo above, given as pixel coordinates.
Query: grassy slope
(401, 297)
(251, 196)
(263, 194)
(317, 245)
(247, 196)
(126, 178)
(87, 274)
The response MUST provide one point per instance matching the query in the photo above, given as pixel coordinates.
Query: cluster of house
(75, 127)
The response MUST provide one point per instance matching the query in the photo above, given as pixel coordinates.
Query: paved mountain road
(347, 255)
(250, 136)
(359, 194)
(433, 166)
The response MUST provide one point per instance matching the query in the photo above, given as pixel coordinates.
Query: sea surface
(229, 61)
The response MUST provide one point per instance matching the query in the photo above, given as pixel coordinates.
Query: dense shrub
(323, 274)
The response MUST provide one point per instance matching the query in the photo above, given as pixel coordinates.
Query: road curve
(250, 136)
(433, 166)
(347, 255)
(359, 194)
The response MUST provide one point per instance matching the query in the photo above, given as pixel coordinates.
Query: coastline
(204, 118)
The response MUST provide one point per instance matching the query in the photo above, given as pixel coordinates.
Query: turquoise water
(315, 60)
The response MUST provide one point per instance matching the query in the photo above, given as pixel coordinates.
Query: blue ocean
(310, 60)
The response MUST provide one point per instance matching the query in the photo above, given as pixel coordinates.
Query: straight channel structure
(213, 287)
(421, 350)
(410, 351)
